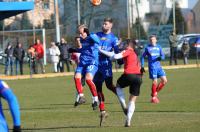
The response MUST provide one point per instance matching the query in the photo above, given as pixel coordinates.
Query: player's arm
(112, 54)
(95, 38)
(11, 99)
(162, 55)
(143, 57)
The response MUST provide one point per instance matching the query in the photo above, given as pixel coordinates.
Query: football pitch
(47, 105)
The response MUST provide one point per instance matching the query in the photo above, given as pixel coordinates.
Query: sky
(192, 3)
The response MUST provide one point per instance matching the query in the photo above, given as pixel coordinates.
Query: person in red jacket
(131, 77)
(39, 50)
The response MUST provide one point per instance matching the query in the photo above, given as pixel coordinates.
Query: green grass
(47, 105)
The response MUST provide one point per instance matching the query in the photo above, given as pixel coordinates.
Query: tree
(25, 22)
(181, 27)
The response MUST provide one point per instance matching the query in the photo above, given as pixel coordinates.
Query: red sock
(92, 87)
(153, 89)
(78, 84)
(101, 96)
(101, 106)
(160, 86)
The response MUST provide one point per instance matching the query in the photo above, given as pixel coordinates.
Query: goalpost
(26, 37)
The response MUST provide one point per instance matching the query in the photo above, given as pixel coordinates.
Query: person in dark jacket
(64, 55)
(19, 54)
(9, 59)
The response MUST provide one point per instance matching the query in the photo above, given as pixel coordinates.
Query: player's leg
(90, 72)
(163, 78)
(136, 81)
(153, 74)
(79, 87)
(12, 101)
(121, 83)
(109, 79)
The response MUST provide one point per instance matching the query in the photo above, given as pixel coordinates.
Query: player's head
(37, 41)
(131, 43)
(83, 30)
(107, 25)
(153, 39)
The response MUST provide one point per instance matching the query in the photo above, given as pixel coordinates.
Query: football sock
(92, 87)
(78, 84)
(160, 86)
(101, 96)
(95, 99)
(77, 97)
(102, 106)
(153, 89)
(120, 95)
(131, 109)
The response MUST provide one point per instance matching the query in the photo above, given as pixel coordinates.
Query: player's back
(108, 43)
(89, 51)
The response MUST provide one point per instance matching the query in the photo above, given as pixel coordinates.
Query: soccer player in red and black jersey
(131, 77)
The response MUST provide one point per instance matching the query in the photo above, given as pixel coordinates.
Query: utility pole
(78, 12)
(57, 20)
(128, 20)
(174, 17)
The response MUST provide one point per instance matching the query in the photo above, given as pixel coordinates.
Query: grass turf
(47, 105)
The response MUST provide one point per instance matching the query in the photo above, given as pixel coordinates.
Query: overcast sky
(192, 3)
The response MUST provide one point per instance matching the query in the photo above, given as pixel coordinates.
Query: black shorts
(132, 80)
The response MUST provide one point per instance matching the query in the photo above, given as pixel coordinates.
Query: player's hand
(158, 59)
(17, 129)
(142, 70)
(71, 50)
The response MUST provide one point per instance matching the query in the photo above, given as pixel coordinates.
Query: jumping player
(131, 77)
(155, 55)
(108, 42)
(7, 94)
(88, 65)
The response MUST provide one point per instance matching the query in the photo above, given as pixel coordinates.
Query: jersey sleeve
(162, 55)
(95, 38)
(143, 56)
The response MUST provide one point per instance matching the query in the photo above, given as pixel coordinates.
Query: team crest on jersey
(103, 38)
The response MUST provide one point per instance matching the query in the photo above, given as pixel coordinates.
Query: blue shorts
(156, 73)
(103, 73)
(83, 69)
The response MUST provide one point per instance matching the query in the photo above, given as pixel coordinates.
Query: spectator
(173, 48)
(19, 55)
(185, 50)
(54, 53)
(64, 55)
(9, 59)
(39, 55)
(32, 58)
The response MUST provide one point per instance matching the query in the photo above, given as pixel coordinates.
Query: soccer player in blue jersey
(7, 94)
(88, 47)
(155, 55)
(108, 43)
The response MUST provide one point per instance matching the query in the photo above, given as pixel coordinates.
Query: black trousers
(173, 55)
(62, 65)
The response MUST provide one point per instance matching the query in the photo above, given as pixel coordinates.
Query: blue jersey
(7, 94)
(108, 43)
(152, 52)
(89, 51)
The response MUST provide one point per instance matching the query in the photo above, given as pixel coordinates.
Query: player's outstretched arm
(95, 38)
(12, 101)
(111, 54)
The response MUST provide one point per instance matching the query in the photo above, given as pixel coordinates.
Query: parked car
(194, 42)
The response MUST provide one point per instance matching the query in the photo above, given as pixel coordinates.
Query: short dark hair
(153, 35)
(108, 19)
